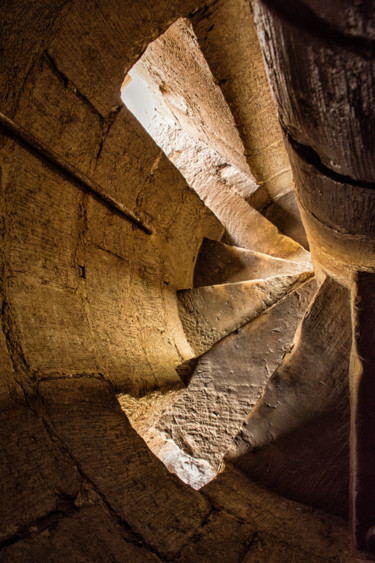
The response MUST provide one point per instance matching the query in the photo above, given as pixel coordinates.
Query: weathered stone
(322, 80)
(303, 416)
(344, 207)
(33, 470)
(238, 68)
(125, 472)
(314, 534)
(220, 263)
(87, 535)
(198, 135)
(209, 313)
(86, 297)
(174, 67)
(221, 393)
(285, 215)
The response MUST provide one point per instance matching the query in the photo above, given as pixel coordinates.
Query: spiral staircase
(235, 354)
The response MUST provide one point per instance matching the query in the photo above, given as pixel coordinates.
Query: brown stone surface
(71, 267)
(311, 534)
(209, 313)
(238, 68)
(175, 65)
(355, 19)
(34, 473)
(86, 535)
(220, 263)
(285, 215)
(321, 81)
(88, 302)
(343, 207)
(221, 393)
(125, 473)
(313, 376)
(197, 133)
(300, 426)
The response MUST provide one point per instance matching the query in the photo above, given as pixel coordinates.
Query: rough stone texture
(285, 214)
(221, 393)
(237, 66)
(339, 217)
(311, 534)
(343, 207)
(87, 299)
(209, 313)
(34, 474)
(63, 249)
(198, 135)
(355, 19)
(301, 423)
(219, 263)
(321, 82)
(86, 535)
(175, 66)
(125, 473)
(322, 76)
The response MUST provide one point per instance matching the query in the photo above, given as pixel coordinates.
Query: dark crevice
(65, 508)
(105, 122)
(106, 125)
(297, 14)
(312, 158)
(69, 84)
(205, 12)
(59, 376)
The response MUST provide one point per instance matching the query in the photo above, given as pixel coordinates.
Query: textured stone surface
(301, 423)
(220, 263)
(85, 535)
(198, 135)
(125, 473)
(209, 313)
(221, 393)
(87, 299)
(34, 473)
(175, 65)
(72, 265)
(362, 422)
(238, 68)
(344, 207)
(311, 534)
(322, 81)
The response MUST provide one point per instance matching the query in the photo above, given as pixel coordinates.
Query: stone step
(209, 313)
(300, 426)
(220, 263)
(227, 383)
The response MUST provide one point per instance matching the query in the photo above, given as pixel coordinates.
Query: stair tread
(209, 313)
(307, 395)
(220, 263)
(209, 414)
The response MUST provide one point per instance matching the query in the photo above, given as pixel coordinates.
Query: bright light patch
(138, 99)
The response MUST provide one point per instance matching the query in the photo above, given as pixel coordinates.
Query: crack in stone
(131, 535)
(311, 157)
(65, 508)
(70, 85)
